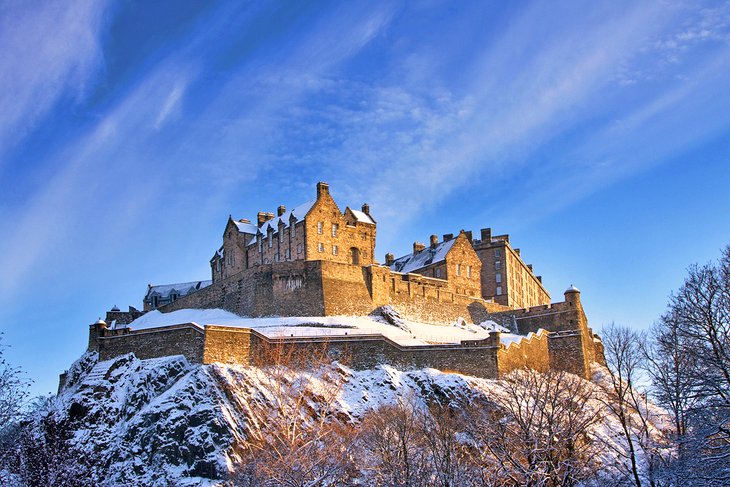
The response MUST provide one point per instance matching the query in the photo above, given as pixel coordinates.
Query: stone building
(505, 277)
(163, 294)
(315, 230)
(453, 260)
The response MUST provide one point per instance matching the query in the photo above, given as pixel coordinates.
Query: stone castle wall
(324, 288)
(530, 352)
(184, 339)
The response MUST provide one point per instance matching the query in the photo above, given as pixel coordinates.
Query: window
(271, 238)
(293, 230)
(438, 272)
(320, 227)
(320, 247)
(261, 244)
(335, 227)
(355, 256)
(334, 250)
(281, 234)
(468, 272)
(497, 253)
(499, 290)
(497, 265)
(288, 254)
(498, 277)
(276, 258)
(458, 269)
(299, 248)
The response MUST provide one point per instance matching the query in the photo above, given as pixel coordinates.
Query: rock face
(166, 421)
(147, 421)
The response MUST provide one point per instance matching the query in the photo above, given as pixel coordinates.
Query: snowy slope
(160, 421)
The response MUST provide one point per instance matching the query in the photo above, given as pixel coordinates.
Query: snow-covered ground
(167, 421)
(410, 333)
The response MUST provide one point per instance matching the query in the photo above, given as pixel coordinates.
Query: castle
(316, 260)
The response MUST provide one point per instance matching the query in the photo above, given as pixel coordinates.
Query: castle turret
(572, 295)
(96, 331)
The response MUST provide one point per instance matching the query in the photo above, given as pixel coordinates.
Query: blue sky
(596, 134)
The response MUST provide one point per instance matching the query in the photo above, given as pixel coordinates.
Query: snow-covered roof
(244, 227)
(361, 216)
(572, 289)
(426, 257)
(299, 213)
(181, 289)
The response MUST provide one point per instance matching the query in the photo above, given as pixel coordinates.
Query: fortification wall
(361, 352)
(285, 289)
(531, 352)
(186, 339)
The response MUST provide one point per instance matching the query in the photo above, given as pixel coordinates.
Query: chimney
(448, 236)
(539, 279)
(529, 266)
(244, 220)
(417, 247)
(366, 208)
(389, 259)
(281, 210)
(486, 235)
(517, 251)
(434, 241)
(468, 235)
(322, 188)
(262, 217)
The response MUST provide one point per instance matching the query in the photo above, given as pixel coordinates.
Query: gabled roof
(243, 227)
(299, 212)
(181, 289)
(426, 257)
(363, 217)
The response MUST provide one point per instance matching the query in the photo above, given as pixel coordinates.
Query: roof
(361, 216)
(424, 258)
(299, 213)
(181, 289)
(246, 227)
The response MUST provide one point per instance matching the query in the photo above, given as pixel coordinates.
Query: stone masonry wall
(531, 352)
(186, 339)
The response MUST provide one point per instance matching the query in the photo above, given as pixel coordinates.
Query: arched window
(355, 256)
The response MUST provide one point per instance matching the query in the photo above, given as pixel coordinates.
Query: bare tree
(691, 372)
(538, 435)
(292, 437)
(392, 440)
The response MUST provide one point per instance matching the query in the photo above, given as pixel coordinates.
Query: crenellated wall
(531, 352)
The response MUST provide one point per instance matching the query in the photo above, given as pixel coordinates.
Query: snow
(182, 288)
(299, 213)
(362, 216)
(415, 333)
(244, 227)
(410, 263)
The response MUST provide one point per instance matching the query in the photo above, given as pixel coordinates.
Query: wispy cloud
(50, 50)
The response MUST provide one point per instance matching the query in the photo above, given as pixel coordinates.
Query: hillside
(160, 421)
